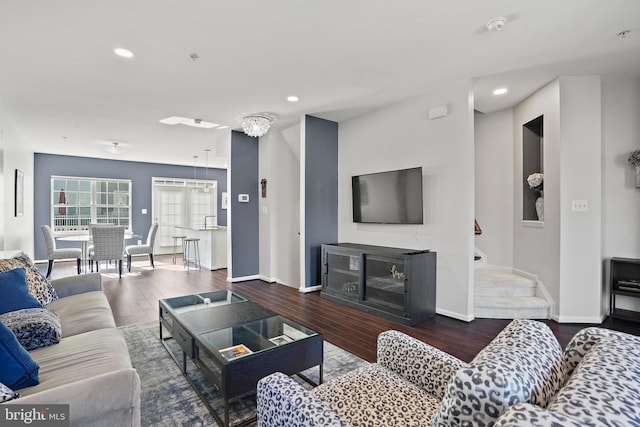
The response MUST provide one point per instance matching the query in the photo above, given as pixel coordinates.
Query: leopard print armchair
(414, 384)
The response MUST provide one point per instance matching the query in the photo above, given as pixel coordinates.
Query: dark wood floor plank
(134, 299)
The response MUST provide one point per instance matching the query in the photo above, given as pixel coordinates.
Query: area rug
(167, 398)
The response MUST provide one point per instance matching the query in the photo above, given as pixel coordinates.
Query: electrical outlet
(579, 206)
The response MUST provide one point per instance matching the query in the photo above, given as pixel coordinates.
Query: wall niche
(532, 162)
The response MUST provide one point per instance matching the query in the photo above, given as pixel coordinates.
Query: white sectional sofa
(89, 368)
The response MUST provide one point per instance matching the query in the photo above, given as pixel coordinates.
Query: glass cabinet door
(385, 279)
(343, 275)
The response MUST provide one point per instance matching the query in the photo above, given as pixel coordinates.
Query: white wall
(536, 246)
(580, 179)
(620, 198)
(400, 136)
(17, 154)
(565, 250)
(279, 160)
(494, 185)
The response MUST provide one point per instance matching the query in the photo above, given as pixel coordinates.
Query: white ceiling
(65, 92)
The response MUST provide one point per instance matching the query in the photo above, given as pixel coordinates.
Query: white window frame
(193, 205)
(120, 200)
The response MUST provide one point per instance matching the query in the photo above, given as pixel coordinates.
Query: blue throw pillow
(15, 291)
(17, 367)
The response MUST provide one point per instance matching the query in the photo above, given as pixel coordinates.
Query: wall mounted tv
(393, 197)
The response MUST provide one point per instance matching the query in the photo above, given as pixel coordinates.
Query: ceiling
(64, 91)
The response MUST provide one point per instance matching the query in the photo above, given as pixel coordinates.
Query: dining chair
(54, 253)
(146, 249)
(91, 227)
(108, 245)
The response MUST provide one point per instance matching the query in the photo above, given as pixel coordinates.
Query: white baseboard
(267, 279)
(243, 278)
(454, 315)
(308, 289)
(578, 319)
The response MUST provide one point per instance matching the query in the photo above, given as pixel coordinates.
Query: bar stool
(191, 244)
(175, 246)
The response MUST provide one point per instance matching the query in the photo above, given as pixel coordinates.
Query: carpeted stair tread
(493, 282)
(489, 277)
(510, 308)
(520, 302)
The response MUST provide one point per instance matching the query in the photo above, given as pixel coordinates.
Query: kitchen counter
(201, 229)
(213, 245)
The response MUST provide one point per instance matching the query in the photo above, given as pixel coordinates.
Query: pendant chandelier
(256, 125)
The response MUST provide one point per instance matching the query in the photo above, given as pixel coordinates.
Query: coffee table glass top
(200, 301)
(252, 337)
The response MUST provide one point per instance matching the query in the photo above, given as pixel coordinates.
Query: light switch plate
(243, 198)
(144, 211)
(579, 206)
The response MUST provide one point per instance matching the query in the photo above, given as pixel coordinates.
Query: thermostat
(243, 198)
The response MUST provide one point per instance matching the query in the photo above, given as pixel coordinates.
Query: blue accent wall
(321, 192)
(140, 174)
(244, 216)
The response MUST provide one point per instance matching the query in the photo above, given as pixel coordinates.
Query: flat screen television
(393, 197)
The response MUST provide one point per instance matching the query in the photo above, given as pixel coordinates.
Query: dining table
(85, 239)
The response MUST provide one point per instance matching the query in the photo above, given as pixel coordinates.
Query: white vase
(540, 208)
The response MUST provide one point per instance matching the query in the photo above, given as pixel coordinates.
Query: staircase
(501, 293)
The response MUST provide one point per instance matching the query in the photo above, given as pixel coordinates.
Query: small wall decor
(263, 184)
(19, 186)
(634, 160)
(476, 227)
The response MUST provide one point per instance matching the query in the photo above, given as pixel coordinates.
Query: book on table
(280, 339)
(235, 351)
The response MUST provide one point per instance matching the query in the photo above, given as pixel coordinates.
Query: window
(78, 202)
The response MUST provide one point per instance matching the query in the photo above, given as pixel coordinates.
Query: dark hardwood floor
(134, 299)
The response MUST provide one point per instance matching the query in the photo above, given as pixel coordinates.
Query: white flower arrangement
(535, 181)
(634, 158)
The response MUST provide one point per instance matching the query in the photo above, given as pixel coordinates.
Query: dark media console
(625, 281)
(394, 283)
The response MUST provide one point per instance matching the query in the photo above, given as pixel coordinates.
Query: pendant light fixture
(195, 183)
(206, 170)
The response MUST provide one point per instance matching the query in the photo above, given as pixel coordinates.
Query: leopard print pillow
(522, 364)
(39, 286)
(604, 385)
(34, 327)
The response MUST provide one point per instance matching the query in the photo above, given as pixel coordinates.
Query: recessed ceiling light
(125, 53)
(293, 98)
(500, 91)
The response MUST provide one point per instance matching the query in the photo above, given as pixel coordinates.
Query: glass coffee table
(235, 342)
